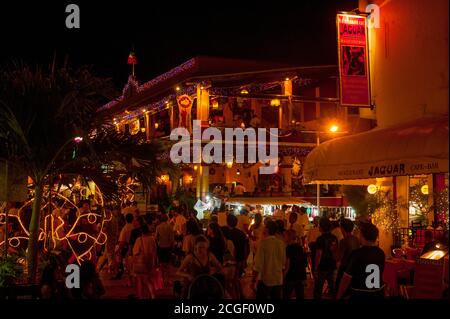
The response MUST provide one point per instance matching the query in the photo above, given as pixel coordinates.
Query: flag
(132, 58)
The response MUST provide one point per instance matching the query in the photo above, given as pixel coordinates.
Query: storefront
(408, 161)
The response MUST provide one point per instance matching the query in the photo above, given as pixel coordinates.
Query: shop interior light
(244, 91)
(372, 189)
(334, 128)
(177, 88)
(229, 164)
(195, 167)
(275, 102)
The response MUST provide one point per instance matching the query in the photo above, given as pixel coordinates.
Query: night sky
(298, 33)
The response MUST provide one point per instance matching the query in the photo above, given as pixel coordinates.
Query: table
(391, 267)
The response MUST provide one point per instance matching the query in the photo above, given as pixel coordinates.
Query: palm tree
(49, 126)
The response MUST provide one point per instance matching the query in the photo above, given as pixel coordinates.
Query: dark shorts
(164, 254)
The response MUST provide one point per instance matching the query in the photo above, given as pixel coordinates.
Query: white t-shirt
(303, 220)
(243, 220)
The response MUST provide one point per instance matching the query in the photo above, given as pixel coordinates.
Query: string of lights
(80, 242)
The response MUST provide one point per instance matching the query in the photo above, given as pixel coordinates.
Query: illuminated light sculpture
(83, 234)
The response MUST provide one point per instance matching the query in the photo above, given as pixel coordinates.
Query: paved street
(117, 289)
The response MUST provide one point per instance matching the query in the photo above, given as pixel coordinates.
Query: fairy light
(49, 229)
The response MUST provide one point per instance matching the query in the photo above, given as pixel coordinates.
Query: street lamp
(332, 129)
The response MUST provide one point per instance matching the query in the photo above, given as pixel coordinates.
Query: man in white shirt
(270, 261)
(303, 218)
(243, 221)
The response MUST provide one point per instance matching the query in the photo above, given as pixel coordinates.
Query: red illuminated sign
(353, 60)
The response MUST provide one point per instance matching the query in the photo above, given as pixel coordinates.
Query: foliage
(358, 199)
(43, 110)
(442, 207)
(384, 211)
(185, 198)
(419, 201)
(10, 270)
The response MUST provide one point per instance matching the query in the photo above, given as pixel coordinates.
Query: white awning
(266, 201)
(413, 148)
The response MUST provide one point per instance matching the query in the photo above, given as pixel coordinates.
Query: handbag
(141, 263)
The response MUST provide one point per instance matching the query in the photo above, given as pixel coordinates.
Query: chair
(405, 280)
(397, 252)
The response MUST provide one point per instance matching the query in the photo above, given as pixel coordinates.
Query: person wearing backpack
(325, 259)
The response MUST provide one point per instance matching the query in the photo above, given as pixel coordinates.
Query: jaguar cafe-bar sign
(353, 60)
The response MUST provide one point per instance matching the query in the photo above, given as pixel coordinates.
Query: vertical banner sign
(353, 60)
(185, 107)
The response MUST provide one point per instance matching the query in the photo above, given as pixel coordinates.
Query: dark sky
(301, 32)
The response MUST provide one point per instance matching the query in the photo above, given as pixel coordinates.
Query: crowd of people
(277, 252)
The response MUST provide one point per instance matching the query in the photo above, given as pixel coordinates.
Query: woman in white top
(144, 265)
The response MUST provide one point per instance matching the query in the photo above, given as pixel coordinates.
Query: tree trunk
(32, 252)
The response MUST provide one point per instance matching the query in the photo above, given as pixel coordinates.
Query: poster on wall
(353, 60)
